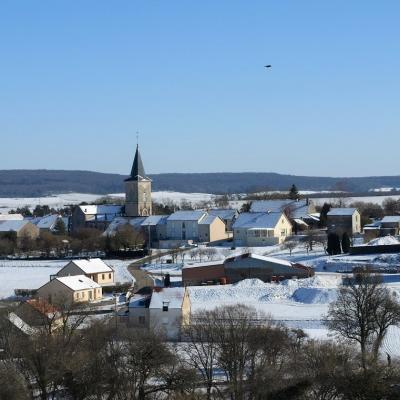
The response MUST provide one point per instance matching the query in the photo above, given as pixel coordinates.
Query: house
(261, 229)
(95, 269)
(19, 229)
(139, 311)
(227, 215)
(341, 220)
(245, 266)
(118, 222)
(74, 289)
(183, 227)
(39, 314)
(211, 229)
(390, 225)
(169, 311)
(155, 228)
(49, 223)
(94, 216)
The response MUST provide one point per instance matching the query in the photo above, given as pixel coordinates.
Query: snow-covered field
(17, 274)
(62, 200)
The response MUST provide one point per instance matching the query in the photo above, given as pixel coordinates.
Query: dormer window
(165, 306)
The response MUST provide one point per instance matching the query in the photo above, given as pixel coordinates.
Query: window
(142, 320)
(283, 232)
(109, 276)
(102, 276)
(165, 306)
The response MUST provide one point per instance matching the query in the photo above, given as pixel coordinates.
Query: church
(138, 202)
(138, 190)
(164, 231)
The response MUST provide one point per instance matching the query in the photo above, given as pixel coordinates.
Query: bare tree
(290, 244)
(362, 313)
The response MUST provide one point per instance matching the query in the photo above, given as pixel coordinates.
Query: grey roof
(154, 220)
(223, 213)
(12, 225)
(344, 211)
(257, 220)
(137, 173)
(187, 216)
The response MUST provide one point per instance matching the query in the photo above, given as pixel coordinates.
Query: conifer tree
(294, 193)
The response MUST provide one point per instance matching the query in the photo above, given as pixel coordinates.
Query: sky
(78, 79)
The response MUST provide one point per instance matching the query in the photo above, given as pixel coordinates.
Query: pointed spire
(137, 172)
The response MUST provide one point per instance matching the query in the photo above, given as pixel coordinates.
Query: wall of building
(195, 276)
(54, 291)
(138, 198)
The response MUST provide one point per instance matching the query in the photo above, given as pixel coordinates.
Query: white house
(77, 288)
(261, 229)
(169, 311)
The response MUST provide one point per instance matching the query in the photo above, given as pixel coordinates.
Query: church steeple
(137, 172)
(138, 190)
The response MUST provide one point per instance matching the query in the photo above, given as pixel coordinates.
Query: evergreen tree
(346, 242)
(333, 244)
(294, 193)
(60, 228)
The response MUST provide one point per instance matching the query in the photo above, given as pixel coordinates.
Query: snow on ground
(383, 241)
(347, 200)
(25, 274)
(57, 201)
(303, 299)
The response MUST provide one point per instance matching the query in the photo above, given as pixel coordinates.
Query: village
(279, 264)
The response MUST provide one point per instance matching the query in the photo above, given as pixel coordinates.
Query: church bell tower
(138, 190)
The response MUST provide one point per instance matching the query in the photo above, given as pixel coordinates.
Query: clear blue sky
(79, 78)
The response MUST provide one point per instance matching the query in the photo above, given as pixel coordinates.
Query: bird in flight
(268, 66)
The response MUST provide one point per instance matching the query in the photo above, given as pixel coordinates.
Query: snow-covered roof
(139, 301)
(262, 258)
(92, 266)
(120, 221)
(344, 211)
(202, 264)
(20, 324)
(391, 219)
(78, 282)
(223, 213)
(12, 217)
(7, 226)
(299, 208)
(94, 209)
(187, 215)
(257, 220)
(172, 296)
(208, 219)
(154, 220)
(300, 222)
(46, 222)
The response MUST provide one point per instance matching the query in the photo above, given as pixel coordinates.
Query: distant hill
(32, 183)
